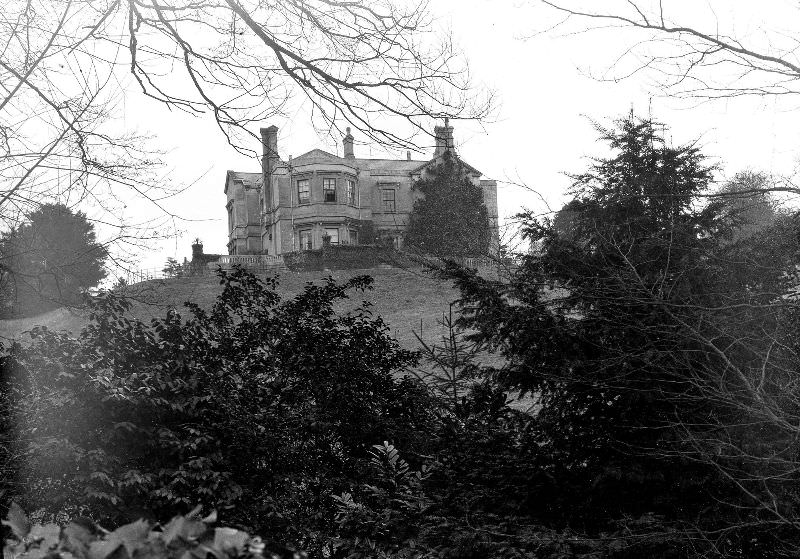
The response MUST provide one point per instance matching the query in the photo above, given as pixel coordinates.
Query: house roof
(249, 180)
(438, 158)
(376, 167)
(317, 153)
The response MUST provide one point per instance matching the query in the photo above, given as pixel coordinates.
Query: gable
(317, 153)
(470, 169)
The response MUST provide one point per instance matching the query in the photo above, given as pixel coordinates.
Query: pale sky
(542, 127)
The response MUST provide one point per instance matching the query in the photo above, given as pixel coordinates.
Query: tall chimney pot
(444, 138)
(348, 145)
(269, 161)
(197, 249)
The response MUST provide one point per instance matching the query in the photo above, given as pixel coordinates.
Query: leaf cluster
(183, 537)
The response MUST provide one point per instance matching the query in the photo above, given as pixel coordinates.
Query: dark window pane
(387, 197)
(303, 191)
(329, 190)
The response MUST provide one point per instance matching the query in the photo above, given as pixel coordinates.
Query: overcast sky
(542, 127)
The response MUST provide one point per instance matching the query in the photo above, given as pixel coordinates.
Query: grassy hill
(408, 300)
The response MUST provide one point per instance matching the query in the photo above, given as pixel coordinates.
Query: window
(333, 235)
(351, 192)
(230, 218)
(353, 237)
(305, 239)
(387, 199)
(303, 191)
(329, 190)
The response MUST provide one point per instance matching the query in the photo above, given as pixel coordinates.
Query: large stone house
(319, 197)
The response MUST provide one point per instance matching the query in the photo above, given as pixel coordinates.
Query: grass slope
(408, 301)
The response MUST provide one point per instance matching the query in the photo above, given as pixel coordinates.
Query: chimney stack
(269, 161)
(348, 145)
(197, 249)
(444, 138)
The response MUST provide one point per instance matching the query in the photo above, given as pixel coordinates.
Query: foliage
(656, 336)
(747, 200)
(258, 408)
(452, 365)
(476, 495)
(659, 352)
(342, 257)
(451, 218)
(183, 536)
(51, 258)
(382, 518)
(269, 411)
(367, 234)
(171, 268)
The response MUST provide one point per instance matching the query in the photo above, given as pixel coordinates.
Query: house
(317, 198)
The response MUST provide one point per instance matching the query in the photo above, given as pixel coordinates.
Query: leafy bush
(258, 408)
(184, 536)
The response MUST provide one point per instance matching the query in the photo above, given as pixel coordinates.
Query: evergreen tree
(660, 360)
(50, 259)
(451, 219)
(171, 268)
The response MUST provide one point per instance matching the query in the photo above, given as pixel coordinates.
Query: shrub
(258, 408)
(183, 536)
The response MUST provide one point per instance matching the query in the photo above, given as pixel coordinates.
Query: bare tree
(696, 52)
(705, 52)
(67, 65)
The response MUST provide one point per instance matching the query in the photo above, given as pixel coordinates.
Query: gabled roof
(317, 153)
(371, 166)
(438, 158)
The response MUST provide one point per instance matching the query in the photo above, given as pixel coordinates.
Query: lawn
(409, 300)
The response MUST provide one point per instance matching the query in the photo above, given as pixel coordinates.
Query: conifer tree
(663, 360)
(50, 259)
(451, 219)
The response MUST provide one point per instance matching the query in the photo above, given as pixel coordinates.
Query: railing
(479, 263)
(133, 277)
(247, 260)
(269, 262)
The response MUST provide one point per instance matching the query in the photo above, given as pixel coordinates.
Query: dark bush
(344, 257)
(258, 408)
